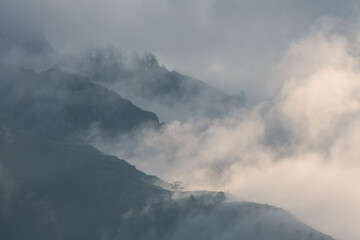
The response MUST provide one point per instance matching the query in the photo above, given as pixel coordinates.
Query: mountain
(141, 79)
(57, 105)
(54, 186)
(194, 220)
(55, 190)
(136, 77)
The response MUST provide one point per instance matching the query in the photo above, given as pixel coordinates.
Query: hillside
(54, 190)
(59, 105)
(53, 186)
(144, 81)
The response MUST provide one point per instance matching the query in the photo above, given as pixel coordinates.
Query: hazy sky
(232, 44)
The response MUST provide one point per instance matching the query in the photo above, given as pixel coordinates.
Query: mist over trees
(147, 83)
(55, 185)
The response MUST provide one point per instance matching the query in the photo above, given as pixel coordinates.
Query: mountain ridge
(72, 104)
(73, 191)
(55, 186)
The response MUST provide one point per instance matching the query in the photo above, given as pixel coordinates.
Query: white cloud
(312, 171)
(299, 150)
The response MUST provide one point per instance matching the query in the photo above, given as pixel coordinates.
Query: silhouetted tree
(192, 201)
(176, 186)
(220, 197)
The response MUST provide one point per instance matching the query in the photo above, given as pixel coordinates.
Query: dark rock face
(58, 105)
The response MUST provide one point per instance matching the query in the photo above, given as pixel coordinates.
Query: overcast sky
(232, 44)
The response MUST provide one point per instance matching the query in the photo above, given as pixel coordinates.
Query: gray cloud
(311, 90)
(231, 44)
(298, 151)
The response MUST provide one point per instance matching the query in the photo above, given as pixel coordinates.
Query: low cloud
(230, 44)
(298, 150)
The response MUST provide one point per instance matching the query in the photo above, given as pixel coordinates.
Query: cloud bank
(298, 150)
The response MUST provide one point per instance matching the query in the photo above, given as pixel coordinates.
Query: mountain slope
(53, 186)
(226, 221)
(171, 95)
(58, 105)
(54, 190)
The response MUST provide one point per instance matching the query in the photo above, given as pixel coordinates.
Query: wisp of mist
(299, 150)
